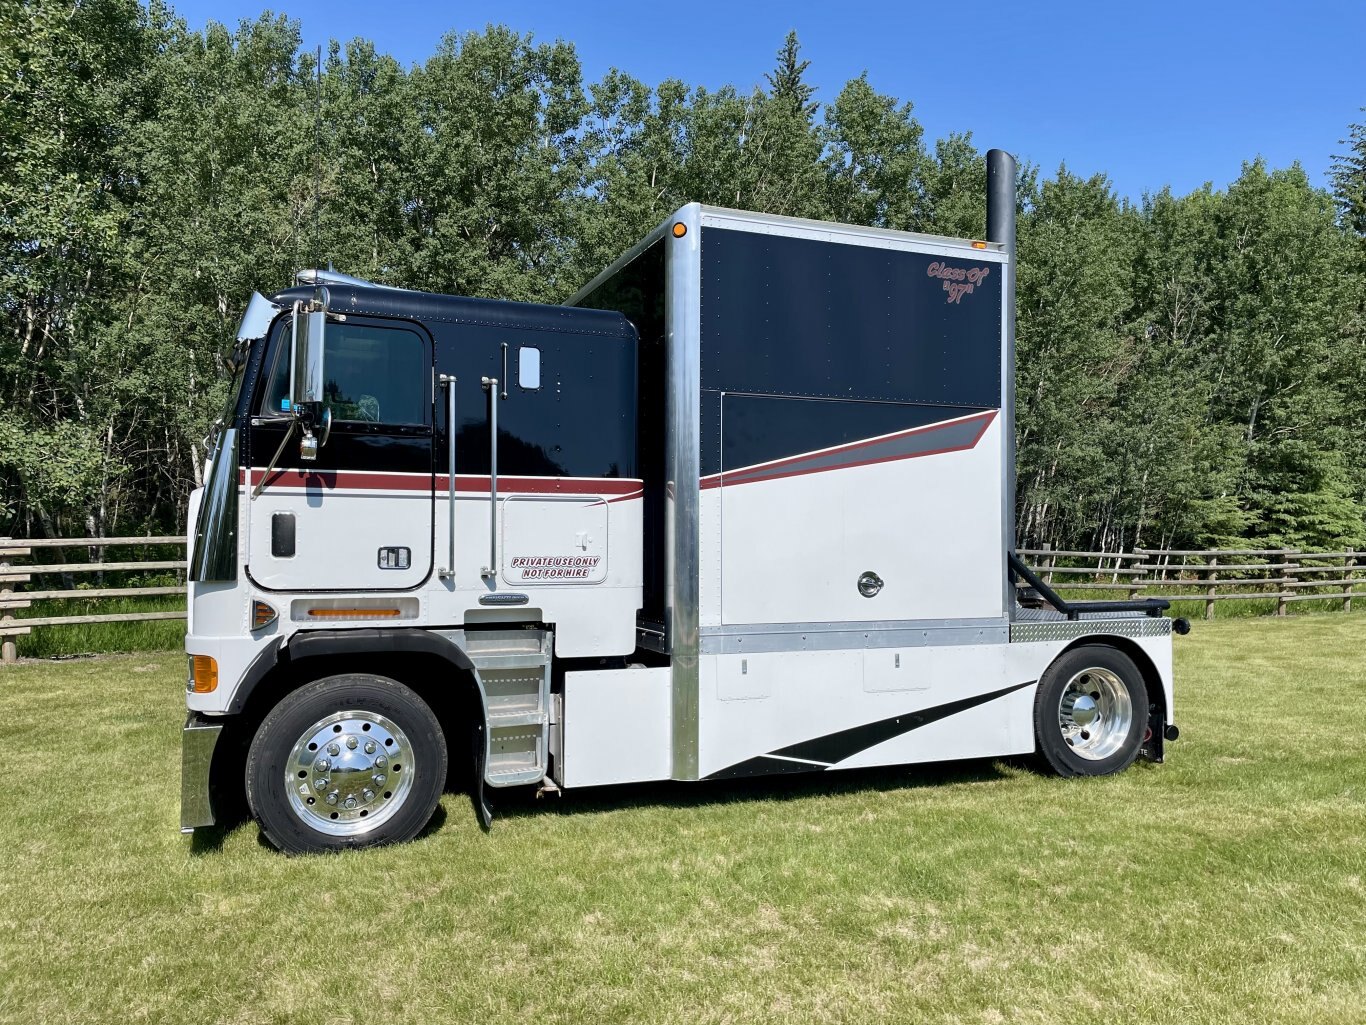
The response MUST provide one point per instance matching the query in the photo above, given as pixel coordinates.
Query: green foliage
(1192, 370)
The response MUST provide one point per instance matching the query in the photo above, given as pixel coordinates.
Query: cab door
(359, 516)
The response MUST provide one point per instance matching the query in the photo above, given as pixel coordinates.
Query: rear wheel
(1090, 712)
(346, 761)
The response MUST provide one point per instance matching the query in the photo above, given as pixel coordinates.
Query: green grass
(1226, 885)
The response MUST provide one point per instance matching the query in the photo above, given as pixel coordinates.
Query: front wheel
(1090, 712)
(346, 761)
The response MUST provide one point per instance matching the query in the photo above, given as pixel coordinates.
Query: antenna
(318, 159)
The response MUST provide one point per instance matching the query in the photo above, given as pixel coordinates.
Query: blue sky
(1150, 93)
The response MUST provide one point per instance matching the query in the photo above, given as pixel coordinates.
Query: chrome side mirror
(306, 355)
(307, 377)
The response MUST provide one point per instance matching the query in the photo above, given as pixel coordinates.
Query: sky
(1150, 93)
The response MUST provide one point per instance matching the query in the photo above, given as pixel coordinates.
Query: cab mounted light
(262, 615)
(354, 613)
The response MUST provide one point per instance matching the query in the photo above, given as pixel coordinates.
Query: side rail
(1277, 577)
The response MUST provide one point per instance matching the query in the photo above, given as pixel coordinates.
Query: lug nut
(349, 803)
(351, 743)
(379, 779)
(333, 749)
(369, 747)
(368, 794)
(320, 784)
(381, 762)
(332, 797)
(323, 764)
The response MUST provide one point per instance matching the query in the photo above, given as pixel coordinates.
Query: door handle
(490, 571)
(448, 382)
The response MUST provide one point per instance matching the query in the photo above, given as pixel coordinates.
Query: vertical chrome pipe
(448, 382)
(491, 570)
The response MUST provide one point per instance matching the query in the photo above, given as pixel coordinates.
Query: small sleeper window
(529, 368)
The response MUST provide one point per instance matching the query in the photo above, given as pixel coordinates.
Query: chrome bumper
(198, 741)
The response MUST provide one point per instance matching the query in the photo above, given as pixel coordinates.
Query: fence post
(9, 651)
(1211, 578)
(1049, 561)
(1347, 581)
(1282, 559)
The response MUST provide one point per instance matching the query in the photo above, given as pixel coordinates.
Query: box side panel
(616, 726)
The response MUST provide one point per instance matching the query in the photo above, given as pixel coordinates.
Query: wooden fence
(13, 574)
(1282, 575)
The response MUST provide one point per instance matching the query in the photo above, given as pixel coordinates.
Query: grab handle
(491, 570)
(448, 382)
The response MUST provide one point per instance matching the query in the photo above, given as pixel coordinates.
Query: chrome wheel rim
(349, 773)
(1095, 713)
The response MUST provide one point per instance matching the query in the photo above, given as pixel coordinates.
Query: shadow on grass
(522, 802)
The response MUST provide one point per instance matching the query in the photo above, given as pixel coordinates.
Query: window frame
(277, 351)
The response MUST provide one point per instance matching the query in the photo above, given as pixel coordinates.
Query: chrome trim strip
(752, 638)
(682, 469)
(1068, 630)
(198, 741)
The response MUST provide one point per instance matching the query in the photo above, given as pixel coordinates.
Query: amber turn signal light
(354, 613)
(680, 229)
(261, 615)
(979, 245)
(204, 673)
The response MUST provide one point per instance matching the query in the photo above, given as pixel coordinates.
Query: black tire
(386, 711)
(1113, 675)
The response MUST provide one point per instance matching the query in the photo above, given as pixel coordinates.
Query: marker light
(203, 674)
(262, 615)
(354, 613)
(680, 229)
(979, 245)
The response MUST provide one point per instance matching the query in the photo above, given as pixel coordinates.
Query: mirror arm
(270, 467)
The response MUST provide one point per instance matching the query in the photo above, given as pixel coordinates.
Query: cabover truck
(742, 506)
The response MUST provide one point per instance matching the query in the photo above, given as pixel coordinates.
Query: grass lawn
(1226, 885)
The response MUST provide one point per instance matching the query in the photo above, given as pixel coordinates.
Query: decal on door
(555, 567)
(554, 539)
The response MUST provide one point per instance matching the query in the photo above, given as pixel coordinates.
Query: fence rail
(1283, 575)
(22, 560)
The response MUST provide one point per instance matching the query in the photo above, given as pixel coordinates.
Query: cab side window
(373, 375)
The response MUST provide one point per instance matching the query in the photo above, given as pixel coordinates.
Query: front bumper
(198, 742)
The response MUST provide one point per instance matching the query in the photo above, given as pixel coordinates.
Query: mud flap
(482, 808)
